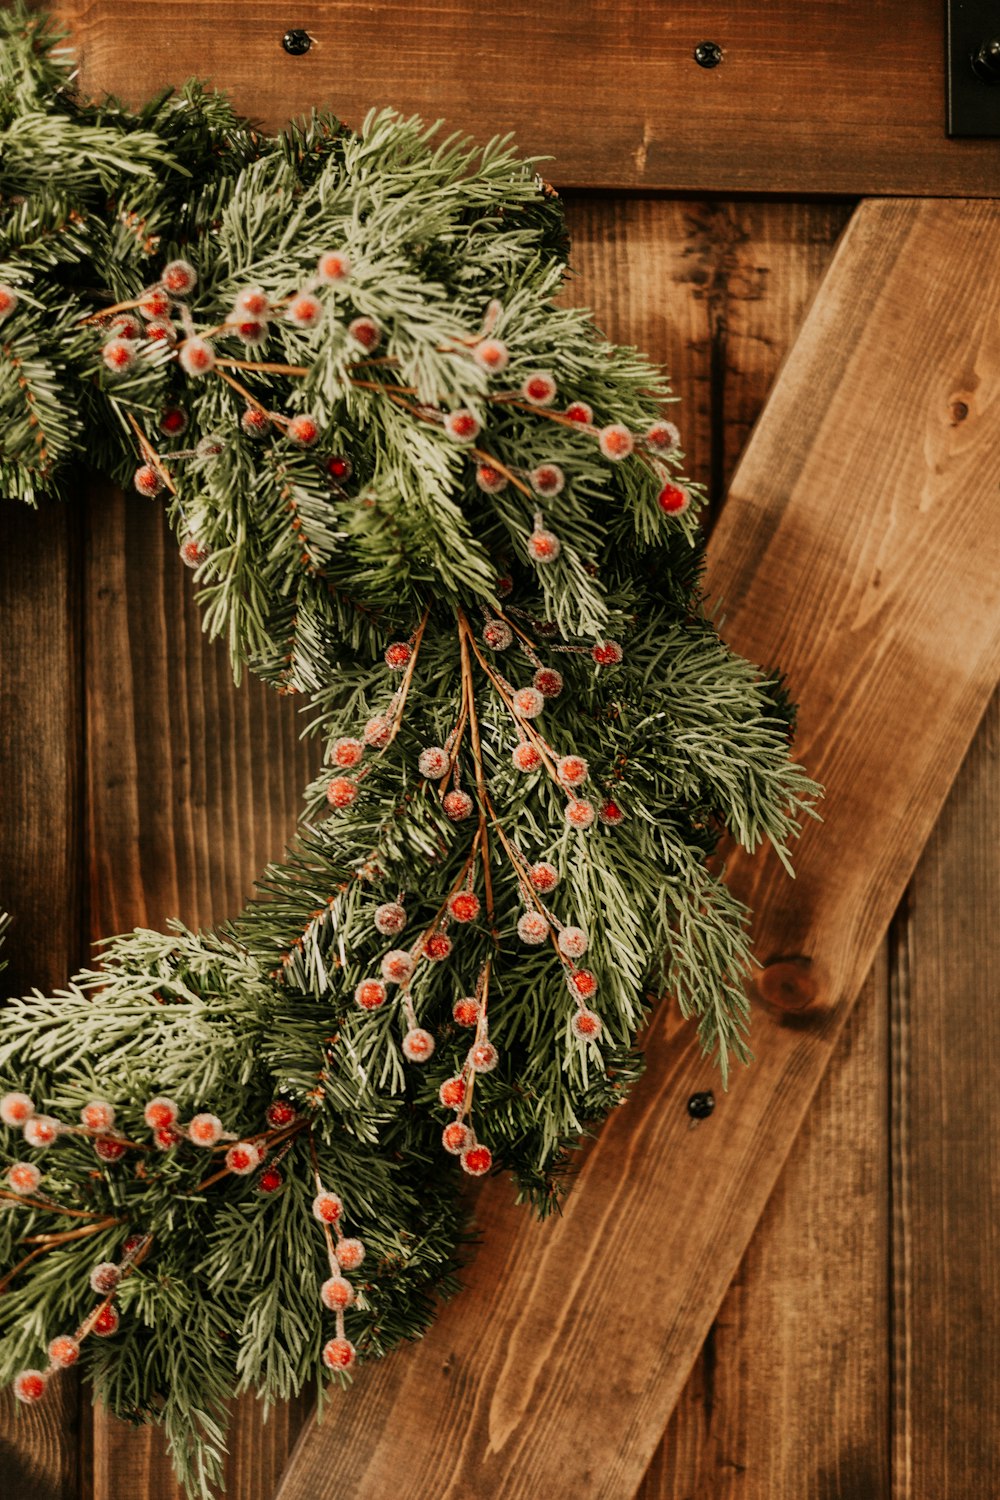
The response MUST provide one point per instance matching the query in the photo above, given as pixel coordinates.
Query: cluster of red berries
(458, 1137)
(337, 1293)
(348, 751)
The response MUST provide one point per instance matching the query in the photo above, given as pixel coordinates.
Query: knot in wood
(789, 984)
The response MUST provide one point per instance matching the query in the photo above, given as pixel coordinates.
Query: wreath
(420, 494)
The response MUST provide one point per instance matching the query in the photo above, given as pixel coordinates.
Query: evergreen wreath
(421, 494)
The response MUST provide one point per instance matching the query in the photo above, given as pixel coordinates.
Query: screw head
(701, 1105)
(708, 54)
(296, 42)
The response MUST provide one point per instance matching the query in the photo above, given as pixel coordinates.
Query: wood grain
(857, 548)
(193, 786)
(946, 1145)
(40, 845)
(810, 98)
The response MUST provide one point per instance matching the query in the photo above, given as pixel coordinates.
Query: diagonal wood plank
(859, 548)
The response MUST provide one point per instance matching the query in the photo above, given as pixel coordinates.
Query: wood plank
(811, 97)
(877, 603)
(193, 786)
(946, 1149)
(40, 839)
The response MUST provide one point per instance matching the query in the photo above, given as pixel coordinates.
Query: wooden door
(705, 206)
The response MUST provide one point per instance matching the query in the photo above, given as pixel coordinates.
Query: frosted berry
(377, 731)
(573, 942)
(526, 757)
(341, 792)
(476, 1160)
(397, 966)
(583, 983)
(390, 918)
(452, 1093)
(544, 877)
(365, 332)
(350, 1254)
(528, 702)
(109, 1149)
(243, 1158)
(250, 331)
(548, 681)
(15, 1109)
(587, 1025)
(579, 813)
(616, 442)
(196, 356)
(125, 326)
(456, 1138)
(40, 1130)
(539, 388)
(147, 481)
(346, 752)
(371, 994)
(64, 1351)
(398, 654)
(462, 425)
(205, 1130)
(543, 546)
(119, 355)
(303, 431)
(457, 805)
(338, 467)
(466, 1011)
(437, 947)
(104, 1278)
(179, 278)
(673, 500)
(279, 1113)
(333, 266)
(253, 301)
(498, 635)
(339, 1354)
(98, 1114)
(607, 653)
(193, 552)
(106, 1322)
(210, 446)
(663, 436)
(154, 303)
(611, 814)
(418, 1045)
(305, 310)
(532, 928)
(505, 586)
(159, 1112)
(490, 479)
(492, 355)
(269, 1181)
(579, 411)
(336, 1293)
(572, 770)
(483, 1057)
(23, 1177)
(161, 328)
(464, 906)
(29, 1386)
(548, 479)
(173, 421)
(327, 1207)
(133, 1243)
(164, 1138)
(8, 300)
(255, 423)
(433, 762)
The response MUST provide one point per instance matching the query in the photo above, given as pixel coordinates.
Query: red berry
(333, 266)
(476, 1160)
(466, 1011)
(437, 947)
(544, 877)
(255, 423)
(250, 330)
(104, 1278)
(611, 814)
(457, 805)
(119, 355)
(339, 467)
(572, 770)
(607, 653)
(539, 388)
(398, 654)
(339, 1354)
(418, 1044)
(303, 430)
(397, 966)
(336, 1293)
(16, 1108)
(40, 1130)
(346, 753)
(29, 1386)
(573, 942)
(433, 762)
(125, 327)
(269, 1180)
(548, 479)
(350, 1254)
(253, 300)
(243, 1158)
(526, 757)
(365, 332)
(462, 425)
(173, 421)
(532, 928)
(371, 994)
(528, 702)
(587, 1025)
(663, 436)
(196, 356)
(23, 1177)
(327, 1207)
(452, 1093)
(341, 792)
(179, 278)
(583, 983)
(579, 411)
(616, 442)
(579, 813)
(154, 303)
(673, 500)
(279, 1113)
(464, 906)
(498, 635)
(456, 1138)
(165, 1136)
(390, 919)
(193, 552)
(305, 310)
(109, 1149)
(106, 1322)
(377, 731)
(490, 480)
(483, 1057)
(147, 481)
(64, 1350)
(543, 546)
(161, 328)
(492, 355)
(205, 1130)
(132, 1243)
(548, 681)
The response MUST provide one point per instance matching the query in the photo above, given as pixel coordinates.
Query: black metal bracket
(974, 68)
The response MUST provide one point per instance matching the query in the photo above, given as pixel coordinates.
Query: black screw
(296, 41)
(986, 61)
(700, 1106)
(708, 54)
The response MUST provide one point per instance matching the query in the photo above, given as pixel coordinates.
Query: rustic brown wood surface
(810, 97)
(859, 548)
